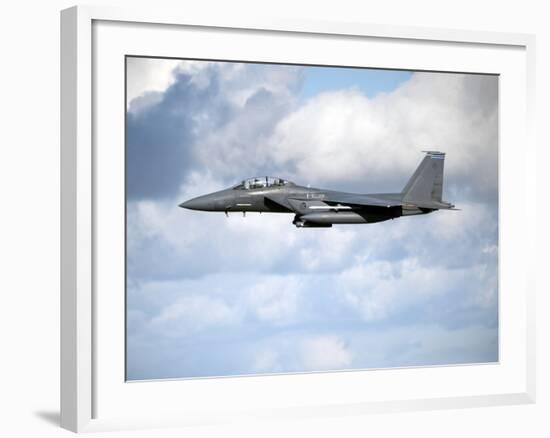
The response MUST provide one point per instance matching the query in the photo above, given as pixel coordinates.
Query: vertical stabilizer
(426, 183)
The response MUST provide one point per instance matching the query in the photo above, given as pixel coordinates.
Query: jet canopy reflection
(260, 182)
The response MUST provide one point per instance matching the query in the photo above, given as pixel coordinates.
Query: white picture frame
(86, 375)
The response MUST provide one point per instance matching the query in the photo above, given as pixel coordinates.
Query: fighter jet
(319, 208)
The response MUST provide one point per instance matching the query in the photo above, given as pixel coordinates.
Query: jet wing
(280, 201)
(293, 203)
(360, 200)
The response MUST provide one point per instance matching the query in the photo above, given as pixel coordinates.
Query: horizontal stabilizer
(434, 205)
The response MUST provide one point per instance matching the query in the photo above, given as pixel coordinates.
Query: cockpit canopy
(259, 182)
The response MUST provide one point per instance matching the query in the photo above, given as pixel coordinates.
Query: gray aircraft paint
(318, 208)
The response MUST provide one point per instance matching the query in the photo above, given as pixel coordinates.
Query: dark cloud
(210, 122)
(160, 136)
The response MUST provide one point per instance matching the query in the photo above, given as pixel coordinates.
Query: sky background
(214, 296)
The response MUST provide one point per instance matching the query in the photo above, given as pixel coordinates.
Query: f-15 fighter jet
(319, 208)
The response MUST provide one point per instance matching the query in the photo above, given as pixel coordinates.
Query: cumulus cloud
(347, 138)
(208, 113)
(196, 312)
(275, 299)
(379, 290)
(152, 76)
(148, 75)
(303, 352)
(325, 353)
(237, 119)
(210, 295)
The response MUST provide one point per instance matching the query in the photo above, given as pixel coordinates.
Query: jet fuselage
(315, 207)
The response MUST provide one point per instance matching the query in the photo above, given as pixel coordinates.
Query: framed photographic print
(281, 219)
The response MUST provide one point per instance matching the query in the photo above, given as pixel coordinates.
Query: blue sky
(370, 82)
(213, 296)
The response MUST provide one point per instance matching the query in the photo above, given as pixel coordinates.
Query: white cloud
(325, 353)
(423, 344)
(346, 136)
(185, 239)
(154, 75)
(242, 81)
(455, 225)
(326, 253)
(275, 299)
(267, 361)
(301, 353)
(259, 100)
(185, 307)
(190, 314)
(147, 75)
(379, 289)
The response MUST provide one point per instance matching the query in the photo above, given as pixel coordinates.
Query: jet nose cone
(217, 201)
(199, 203)
(192, 204)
